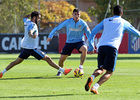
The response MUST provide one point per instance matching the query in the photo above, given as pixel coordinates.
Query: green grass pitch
(36, 80)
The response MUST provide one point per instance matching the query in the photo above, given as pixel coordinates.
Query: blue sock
(4, 71)
(93, 76)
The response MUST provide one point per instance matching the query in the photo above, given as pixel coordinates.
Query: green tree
(102, 5)
(58, 11)
(12, 13)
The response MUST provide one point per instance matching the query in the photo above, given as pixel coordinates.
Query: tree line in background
(13, 11)
(58, 11)
(131, 10)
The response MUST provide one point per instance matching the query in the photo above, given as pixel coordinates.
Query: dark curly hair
(34, 13)
(117, 10)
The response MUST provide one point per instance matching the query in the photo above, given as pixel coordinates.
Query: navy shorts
(107, 57)
(69, 47)
(38, 54)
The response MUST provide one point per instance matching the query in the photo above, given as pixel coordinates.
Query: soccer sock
(96, 86)
(4, 71)
(93, 76)
(61, 70)
(81, 66)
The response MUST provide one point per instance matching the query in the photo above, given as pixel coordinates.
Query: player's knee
(47, 58)
(100, 72)
(109, 73)
(84, 49)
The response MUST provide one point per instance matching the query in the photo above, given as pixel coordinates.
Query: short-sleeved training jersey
(113, 29)
(28, 42)
(74, 30)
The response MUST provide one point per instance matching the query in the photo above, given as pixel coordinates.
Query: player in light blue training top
(113, 30)
(29, 44)
(75, 29)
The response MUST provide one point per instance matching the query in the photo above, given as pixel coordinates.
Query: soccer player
(29, 44)
(113, 30)
(75, 29)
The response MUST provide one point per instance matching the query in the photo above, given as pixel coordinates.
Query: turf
(36, 80)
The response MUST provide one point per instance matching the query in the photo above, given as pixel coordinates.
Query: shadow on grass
(78, 58)
(44, 77)
(74, 77)
(39, 96)
(20, 78)
(35, 96)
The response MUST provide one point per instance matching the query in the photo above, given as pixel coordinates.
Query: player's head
(76, 14)
(35, 16)
(118, 10)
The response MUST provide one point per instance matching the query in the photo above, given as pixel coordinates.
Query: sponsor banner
(10, 43)
(134, 44)
(123, 47)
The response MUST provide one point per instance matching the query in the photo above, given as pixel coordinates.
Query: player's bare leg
(62, 59)
(83, 49)
(50, 62)
(103, 79)
(12, 64)
(61, 63)
(54, 65)
(96, 73)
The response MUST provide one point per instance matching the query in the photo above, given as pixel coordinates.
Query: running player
(29, 44)
(113, 30)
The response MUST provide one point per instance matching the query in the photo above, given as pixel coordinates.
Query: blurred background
(55, 11)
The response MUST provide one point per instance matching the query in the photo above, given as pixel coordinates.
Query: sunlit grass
(36, 80)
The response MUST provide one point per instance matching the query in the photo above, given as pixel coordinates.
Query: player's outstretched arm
(132, 30)
(60, 26)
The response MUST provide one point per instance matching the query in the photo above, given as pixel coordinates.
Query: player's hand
(90, 52)
(32, 34)
(48, 40)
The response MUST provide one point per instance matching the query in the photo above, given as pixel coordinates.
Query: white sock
(4, 71)
(81, 66)
(96, 86)
(93, 76)
(61, 70)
